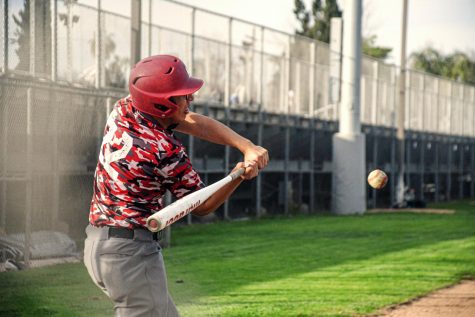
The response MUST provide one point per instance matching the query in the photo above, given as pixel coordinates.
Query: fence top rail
(296, 36)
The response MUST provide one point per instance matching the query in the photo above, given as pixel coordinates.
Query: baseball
(377, 179)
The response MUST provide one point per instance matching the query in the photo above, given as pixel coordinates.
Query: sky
(446, 25)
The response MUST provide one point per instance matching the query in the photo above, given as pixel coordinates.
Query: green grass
(301, 266)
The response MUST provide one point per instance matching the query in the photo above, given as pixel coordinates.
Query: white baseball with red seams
(377, 179)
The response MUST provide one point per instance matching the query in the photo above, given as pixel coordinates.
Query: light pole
(400, 135)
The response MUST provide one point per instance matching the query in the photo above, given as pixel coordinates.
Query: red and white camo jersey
(139, 160)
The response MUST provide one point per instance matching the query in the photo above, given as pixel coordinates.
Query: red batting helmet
(155, 79)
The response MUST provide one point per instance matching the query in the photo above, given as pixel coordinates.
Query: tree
(317, 26)
(457, 66)
(21, 37)
(321, 16)
(370, 48)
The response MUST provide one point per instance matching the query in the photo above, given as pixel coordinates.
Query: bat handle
(237, 173)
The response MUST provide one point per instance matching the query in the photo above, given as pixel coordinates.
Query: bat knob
(153, 224)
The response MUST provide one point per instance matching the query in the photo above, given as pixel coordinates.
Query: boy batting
(140, 159)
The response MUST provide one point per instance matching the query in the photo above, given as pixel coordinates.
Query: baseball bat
(183, 206)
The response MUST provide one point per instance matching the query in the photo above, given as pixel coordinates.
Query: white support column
(349, 185)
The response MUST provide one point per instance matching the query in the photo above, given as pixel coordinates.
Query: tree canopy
(316, 25)
(457, 66)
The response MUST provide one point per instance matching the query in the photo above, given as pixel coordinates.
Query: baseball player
(140, 159)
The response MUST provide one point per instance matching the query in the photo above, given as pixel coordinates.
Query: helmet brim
(191, 86)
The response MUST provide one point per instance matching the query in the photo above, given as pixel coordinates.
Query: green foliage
(299, 266)
(457, 66)
(316, 26)
(371, 49)
(21, 37)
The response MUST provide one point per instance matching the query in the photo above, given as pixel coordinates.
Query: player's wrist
(245, 145)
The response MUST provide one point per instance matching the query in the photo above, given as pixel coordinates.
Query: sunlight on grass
(370, 284)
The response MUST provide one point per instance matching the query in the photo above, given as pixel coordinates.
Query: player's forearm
(212, 203)
(213, 131)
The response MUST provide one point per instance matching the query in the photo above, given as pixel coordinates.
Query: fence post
(472, 170)
(99, 47)
(260, 126)
(437, 105)
(437, 172)
(135, 31)
(461, 163)
(54, 39)
(288, 102)
(3, 216)
(227, 95)
(450, 97)
(375, 162)
(29, 176)
(311, 112)
(32, 22)
(423, 146)
(374, 95)
(449, 171)
(5, 36)
(150, 10)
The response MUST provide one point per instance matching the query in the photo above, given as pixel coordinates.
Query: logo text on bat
(183, 213)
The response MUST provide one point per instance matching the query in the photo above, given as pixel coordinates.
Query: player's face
(183, 103)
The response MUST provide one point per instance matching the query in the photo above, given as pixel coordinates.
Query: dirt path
(454, 301)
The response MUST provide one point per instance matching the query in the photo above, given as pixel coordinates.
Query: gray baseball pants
(130, 271)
